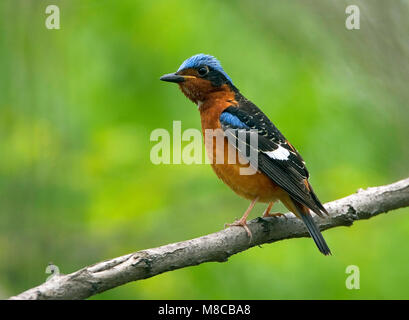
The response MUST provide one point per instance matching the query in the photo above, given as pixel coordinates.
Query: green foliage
(77, 106)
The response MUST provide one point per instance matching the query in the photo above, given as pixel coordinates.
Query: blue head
(204, 60)
(199, 76)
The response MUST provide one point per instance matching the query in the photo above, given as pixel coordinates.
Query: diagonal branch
(218, 246)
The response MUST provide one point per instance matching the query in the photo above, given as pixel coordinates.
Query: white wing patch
(280, 153)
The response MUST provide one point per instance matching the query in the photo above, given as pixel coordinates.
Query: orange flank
(247, 186)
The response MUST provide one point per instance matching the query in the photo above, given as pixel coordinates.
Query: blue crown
(204, 60)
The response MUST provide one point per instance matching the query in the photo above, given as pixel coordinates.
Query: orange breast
(247, 186)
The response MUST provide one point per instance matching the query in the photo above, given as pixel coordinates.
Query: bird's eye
(203, 71)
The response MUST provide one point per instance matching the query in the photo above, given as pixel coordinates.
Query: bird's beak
(172, 77)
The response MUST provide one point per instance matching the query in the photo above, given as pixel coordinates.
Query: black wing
(277, 158)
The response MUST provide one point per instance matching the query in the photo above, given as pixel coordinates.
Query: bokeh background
(77, 106)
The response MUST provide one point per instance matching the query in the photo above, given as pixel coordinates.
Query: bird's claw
(274, 215)
(240, 223)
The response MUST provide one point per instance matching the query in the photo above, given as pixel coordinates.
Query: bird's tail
(313, 230)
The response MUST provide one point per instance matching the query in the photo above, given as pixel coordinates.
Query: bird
(280, 175)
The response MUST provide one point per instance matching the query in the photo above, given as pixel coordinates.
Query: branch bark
(217, 246)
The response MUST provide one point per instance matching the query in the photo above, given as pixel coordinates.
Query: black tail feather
(314, 231)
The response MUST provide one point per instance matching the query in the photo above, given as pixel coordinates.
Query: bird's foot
(243, 221)
(240, 223)
(274, 215)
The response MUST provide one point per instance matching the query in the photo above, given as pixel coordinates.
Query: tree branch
(217, 246)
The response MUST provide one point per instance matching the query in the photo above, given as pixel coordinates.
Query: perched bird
(281, 173)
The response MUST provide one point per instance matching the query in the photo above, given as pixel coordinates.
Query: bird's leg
(267, 212)
(276, 214)
(243, 221)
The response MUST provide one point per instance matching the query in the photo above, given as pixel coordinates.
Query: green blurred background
(77, 106)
